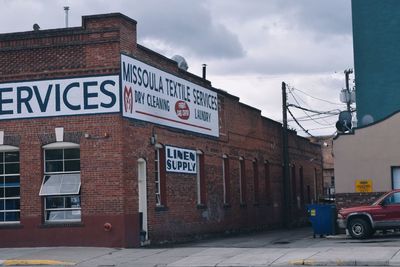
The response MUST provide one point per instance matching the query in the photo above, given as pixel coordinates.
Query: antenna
(66, 9)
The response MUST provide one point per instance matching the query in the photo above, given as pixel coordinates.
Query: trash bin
(322, 218)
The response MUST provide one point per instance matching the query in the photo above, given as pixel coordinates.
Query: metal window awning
(60, 184)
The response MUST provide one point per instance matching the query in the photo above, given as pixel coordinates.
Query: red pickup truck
(363, 221)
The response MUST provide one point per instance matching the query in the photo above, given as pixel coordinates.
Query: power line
(301, 126)
(320, 99)
(316, 116)
(324, 124)
(315, 111)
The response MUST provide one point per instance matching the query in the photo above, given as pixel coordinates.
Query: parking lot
(297, 238)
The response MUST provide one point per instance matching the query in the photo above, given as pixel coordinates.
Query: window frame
(9, 149)
(160, 176)
(256, 182)
(157, 176)
(242, 181)
(200, 179)
(64, 197)
(226, 180)
(61, 146)
(69, 146)
(267, 178)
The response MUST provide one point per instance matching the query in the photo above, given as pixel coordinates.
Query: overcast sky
(250, 47)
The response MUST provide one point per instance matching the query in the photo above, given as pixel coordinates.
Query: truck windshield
(379, 200)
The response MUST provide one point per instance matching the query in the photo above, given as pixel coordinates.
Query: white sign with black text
(49, 98)
(180, 160)
(153, 95)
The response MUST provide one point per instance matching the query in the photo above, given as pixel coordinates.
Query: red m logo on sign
(128, 99)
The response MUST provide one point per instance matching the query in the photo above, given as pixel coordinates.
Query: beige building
(367, 162)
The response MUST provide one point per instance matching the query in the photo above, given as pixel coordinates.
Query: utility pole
(347, 73)
(285, 151)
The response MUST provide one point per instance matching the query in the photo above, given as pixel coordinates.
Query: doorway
(142, 186)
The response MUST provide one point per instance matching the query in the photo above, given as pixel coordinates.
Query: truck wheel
(359, 228)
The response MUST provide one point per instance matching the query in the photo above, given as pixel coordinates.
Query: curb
(34, 262)
(339, 263)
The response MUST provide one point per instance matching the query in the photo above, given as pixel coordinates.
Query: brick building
(328, 170)
(104, 142)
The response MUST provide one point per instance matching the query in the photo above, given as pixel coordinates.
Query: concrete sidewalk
(198, 256)
(273, 248)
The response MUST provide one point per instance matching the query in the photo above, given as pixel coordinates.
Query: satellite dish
(344, 122)
(182, 64)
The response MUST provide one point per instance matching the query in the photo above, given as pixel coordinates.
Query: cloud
(184, 25)
(250, 47)
(327, 16)
(287, 36)
(187, 26)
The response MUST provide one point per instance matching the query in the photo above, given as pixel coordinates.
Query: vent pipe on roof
(66, 8)
(204, 70)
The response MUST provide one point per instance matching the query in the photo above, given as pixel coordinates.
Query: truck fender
(361, 214)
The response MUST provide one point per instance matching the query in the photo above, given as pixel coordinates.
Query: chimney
(66, 8)
(204, 71)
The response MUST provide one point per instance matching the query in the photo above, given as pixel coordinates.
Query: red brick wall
(109, 158)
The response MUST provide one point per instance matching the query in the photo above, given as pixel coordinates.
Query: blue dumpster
(322, 218)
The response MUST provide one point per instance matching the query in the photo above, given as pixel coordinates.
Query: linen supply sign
(152, 95)
(180, 160)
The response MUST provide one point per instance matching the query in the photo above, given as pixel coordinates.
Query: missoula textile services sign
(180, 160)
(48, 98)
(152, 95)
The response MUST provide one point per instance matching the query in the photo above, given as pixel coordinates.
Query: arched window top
(4, 148)
(141, 160)
(225, 156)
(57, 145)
(241, 158)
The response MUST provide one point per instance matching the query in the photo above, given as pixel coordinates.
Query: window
(159, 176)
(61, 183)
(267, 181)
(255, 177)
(242, 180)
(226, 179)
(393, 199)
(395, 178)
(200, 182)
(9, 187)
(294, 184)
(62, 160)
(315, 185)
(301, 175)
(62, 208)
